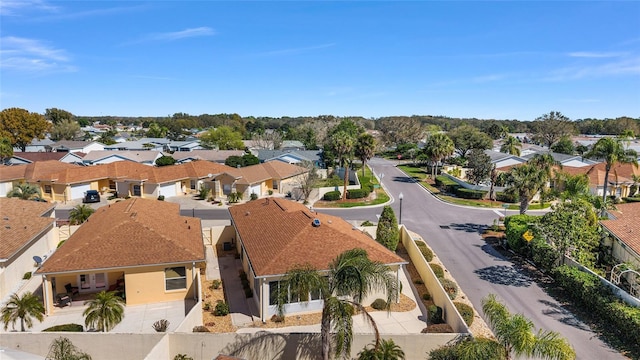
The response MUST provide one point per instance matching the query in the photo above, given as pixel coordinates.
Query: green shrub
(206, 306)
(544, 255)
(379, 304)
(66, 328)
(270, 192)
(470, 194)
(332, 196)
(631, 199)
(435, 314)
(248, 293)
(465, 311)
(437, 269)
(185, 356)
(446, 184)
(215, 284)
(161, 197)
(426, 296)
(221, 309)
(277, 319)
(424, 249)
(200, 328)
(450, 287)
(367, 223)
(26, 275)
(387, 232)
(254, 196)
(357, 193)
(418, 282)
(507, 198)
(515, 226)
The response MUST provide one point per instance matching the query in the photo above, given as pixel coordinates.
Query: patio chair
(63, 300)
(72, 290)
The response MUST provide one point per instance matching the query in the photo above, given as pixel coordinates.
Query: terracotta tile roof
(209, 155)
(135, 232)
(278, 234)
(265, 171)
(626, 225)
(13, 172)
(39, 170)
(596, 173)
(20, 222)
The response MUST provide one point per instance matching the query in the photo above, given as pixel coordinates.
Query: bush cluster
(586, 290)
(507, 198)
(450, 287)
(437, 269)
(470, 194)
(465, 311)
(446, 184)
(424, 249)
(66, 328)
(435, 314)
(379, 304)
(515, 227)
(332, 196)
(245, 285)
(215, 284)
(222, 309)
(358, 193)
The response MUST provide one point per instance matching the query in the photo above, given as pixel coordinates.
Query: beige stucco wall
(147, 285)
(13, 270)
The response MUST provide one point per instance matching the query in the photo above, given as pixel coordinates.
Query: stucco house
(623, 230)
(273, 235)
(99, 157)
(27, 230)
(292, 157)
(141, 248)
(21, 158)
(275, 176)
(75, 146)
(620, 178)
(218, 156)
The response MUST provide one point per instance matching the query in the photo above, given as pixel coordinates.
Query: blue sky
(500, 59)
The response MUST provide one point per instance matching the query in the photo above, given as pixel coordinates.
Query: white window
(175, 278)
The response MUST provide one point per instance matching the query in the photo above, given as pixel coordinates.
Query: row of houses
(62, 182)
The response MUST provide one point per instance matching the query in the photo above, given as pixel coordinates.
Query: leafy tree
(564, 146)
(107, 138)
(438, 147)
(23, 307)
(65, 130)
(515, 333)
(573, 186)
(387, 232)
(525, 180)
(467, 137)
(233, 161)
(329, 152)
(22, 126)
(572, 229)
(365, 148)
(165, 160)
(497, 131)
(480, 165)
(80, 213)
(250, 159)
(24, 191)
(344, 145)
(223, 137)
(104, 312)
(309, 179)
(400, 131)
(352, 276)
(241, 161)
(63, 349)
(57, 116)
(268, 140)
(612, 151)
(551, 127)
(511, 145)
(6, 149)
(157, 131)
(385, 350)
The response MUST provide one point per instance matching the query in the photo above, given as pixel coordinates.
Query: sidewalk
(243, 311)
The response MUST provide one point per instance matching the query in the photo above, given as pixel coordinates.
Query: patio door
(92, 282)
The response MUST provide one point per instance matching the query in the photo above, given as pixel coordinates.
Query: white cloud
(627, 66)
(175, 35)
(15, 7)
(590, 54)
(296, 50)
(488, 78)
(32, 55)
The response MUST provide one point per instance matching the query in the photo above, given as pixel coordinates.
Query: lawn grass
(368, 178)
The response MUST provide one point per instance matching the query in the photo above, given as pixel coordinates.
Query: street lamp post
(401, 197)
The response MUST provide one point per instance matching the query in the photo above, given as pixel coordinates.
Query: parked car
(91, 196)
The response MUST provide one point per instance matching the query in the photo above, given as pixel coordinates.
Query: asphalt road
(454, 234)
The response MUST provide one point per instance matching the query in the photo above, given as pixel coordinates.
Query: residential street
(478, 269)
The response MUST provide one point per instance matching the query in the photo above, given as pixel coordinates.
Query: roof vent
(316, 222)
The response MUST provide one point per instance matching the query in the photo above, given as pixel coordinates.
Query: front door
(92, 282)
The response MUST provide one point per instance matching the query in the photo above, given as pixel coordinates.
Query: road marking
(498, 212)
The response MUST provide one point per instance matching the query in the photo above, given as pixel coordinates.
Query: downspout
(194, 282)
(398, 284)
(45, 294)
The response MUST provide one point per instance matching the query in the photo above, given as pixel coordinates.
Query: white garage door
(168, 190)
(77, 191)
(255, 190)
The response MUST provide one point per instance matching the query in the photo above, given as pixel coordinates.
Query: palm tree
(365, 148)
(515, 333)
(105, 311)
(438, 147)
(24, 191)
(612, 151)
(63, 349)
(511, 145)
(530, 178)
(575, 186)
(23, 308)
(386, 350)
(351, 277)
(344, 144)
(80, 214)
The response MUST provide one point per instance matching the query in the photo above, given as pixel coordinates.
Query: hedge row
(358, 193)
(465, 311)
(424, 249)
(332, 195)
(631, 199)
(470, 194)
(586, 290)
(508, 198)
(515, 227)
(446, 184)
